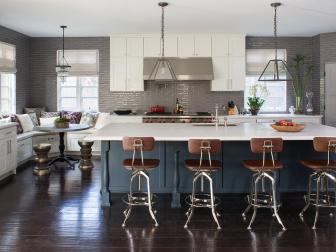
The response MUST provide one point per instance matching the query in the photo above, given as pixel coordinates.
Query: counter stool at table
(41, 168)
(139, 167)
(263, 169)
(323, 172)
(203, 168)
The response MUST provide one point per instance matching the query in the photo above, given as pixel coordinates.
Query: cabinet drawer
(24, 149)
(10, 132)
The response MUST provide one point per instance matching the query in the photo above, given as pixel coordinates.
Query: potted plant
(61, 123)
(302, 73)
(256, 101)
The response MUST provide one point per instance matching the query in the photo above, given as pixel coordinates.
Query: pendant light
(62, 67)
(276, 69)
(163, 70)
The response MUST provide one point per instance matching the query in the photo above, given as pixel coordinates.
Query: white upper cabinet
(237, 45)
(134, 81)
(221, 73)
(220, 46)
(228, 45)
(152, 47)
(117, 47)
(194, 46)
(134, 47)
(118, 74)
(202, 46)
(237, 73)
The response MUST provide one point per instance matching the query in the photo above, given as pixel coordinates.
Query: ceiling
(42, 18)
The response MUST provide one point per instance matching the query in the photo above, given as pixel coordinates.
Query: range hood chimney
(185, 69)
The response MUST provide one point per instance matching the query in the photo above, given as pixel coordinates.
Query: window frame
(79, 98)
(12, 89)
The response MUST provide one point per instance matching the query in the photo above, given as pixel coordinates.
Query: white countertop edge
(7, 125)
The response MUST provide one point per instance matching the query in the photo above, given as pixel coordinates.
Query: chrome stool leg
(128, 210)
(149, 196)
(275, 205)
(251, 195)
(308, 197)
(317, 201)
(213, 210)
(254, 203)
(190, 211)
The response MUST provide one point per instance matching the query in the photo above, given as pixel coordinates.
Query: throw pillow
(89, 118)
(72, 116)
(26, 123)
(47, 121)
(49, 114)
(38, 111)
(103, 119)
(14, 119)
(34, 118)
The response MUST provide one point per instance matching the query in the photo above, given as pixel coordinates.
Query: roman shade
(82, 62)
(7, 58)
(256, 60)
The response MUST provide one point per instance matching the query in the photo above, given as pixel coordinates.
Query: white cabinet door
(237, 45)
(186, 46)
(24, 149)
(152, 47)
(117, 47)
(236, 73)
(202, 46)
(171, 47)
(134, 47)
(221, 74)
(3, 156)
(220, 46)
(135, 80)
(118, 74)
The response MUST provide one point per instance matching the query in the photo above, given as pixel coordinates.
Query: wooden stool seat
(193, 165)
(257, 165)
(137, 164)
(319, 165)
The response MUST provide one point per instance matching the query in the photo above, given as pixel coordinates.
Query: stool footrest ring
(264, 200)
(325, 200)
(202, 200)
(138, 199)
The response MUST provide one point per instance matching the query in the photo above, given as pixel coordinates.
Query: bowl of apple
(287, 126)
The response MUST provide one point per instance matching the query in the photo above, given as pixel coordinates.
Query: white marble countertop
(183, 132)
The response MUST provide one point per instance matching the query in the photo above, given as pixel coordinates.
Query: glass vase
(298, 105)
(309, 106)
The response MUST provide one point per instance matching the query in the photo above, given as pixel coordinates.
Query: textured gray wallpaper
(22, 43)
(195, 96)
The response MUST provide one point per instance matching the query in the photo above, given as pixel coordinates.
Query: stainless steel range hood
(199, 68)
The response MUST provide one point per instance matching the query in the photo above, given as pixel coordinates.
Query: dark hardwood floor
(64, 214)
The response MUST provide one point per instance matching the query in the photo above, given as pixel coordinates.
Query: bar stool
(139, 167)
(203, 168)
(41, 168)
(323, 171)
(263, 169)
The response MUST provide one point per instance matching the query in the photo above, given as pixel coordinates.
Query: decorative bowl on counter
(295, 128)
(123, 112)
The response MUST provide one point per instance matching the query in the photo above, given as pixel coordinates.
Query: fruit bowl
(295, 128)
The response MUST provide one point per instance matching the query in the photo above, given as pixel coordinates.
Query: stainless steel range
(201, 117)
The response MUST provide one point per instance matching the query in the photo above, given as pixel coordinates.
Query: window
(79, 91)
(7, 78)
(256, 60)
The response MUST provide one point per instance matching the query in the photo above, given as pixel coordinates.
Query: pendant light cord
(63, 43)
(275, 33)
(162, 32)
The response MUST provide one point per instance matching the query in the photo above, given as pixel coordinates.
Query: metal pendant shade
(163, 69)
(62, 67)
(276, 69)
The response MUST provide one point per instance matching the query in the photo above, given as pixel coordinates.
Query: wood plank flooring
(64, 214)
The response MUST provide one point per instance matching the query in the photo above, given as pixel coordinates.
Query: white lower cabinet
(8, 151)
(24, 149)
(50, 139)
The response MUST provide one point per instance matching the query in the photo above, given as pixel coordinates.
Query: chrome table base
(262, 199)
